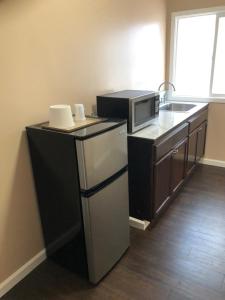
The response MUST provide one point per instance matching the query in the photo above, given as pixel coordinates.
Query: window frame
(175, 17)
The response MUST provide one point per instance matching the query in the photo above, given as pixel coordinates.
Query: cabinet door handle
(175, 151)
(200, 129)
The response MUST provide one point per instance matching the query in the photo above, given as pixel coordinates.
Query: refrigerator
(102, 163)
(81, 181)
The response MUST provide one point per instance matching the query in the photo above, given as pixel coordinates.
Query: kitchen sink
(177, 107)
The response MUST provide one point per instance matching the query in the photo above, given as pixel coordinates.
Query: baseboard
(22, 272)
(139, 224)
(213, 162)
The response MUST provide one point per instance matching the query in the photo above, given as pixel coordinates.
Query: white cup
(60, 116)
(79, 112)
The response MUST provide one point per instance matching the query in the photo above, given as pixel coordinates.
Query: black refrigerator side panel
(140, 178)
(54, 163)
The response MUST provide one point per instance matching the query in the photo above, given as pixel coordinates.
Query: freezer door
(106, 226)
(101, 156)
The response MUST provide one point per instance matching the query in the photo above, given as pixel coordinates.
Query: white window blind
(198, 57)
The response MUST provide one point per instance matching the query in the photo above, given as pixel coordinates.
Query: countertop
(166, 121)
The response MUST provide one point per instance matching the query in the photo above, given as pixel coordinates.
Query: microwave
(138, 107)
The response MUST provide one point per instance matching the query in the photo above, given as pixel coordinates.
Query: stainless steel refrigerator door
(106, 226)
(101, 156)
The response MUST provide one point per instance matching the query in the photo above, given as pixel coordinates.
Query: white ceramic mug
(60, 116)
(79, 112)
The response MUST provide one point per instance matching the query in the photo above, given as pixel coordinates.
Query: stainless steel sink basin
(177, 107)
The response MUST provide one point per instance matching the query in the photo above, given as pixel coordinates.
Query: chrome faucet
(165, 93)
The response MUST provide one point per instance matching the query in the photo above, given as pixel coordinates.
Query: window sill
(198, 99)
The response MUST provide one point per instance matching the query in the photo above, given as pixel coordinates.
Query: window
(198, 54)
(218, 86)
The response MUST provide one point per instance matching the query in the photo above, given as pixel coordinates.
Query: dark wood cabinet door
(201, 141)
(162, 176)
(178, 164)
(192, 148)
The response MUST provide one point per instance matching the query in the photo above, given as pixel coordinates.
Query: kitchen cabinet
(200, 148)
(169, 173)
(158, 168)
(162, 173)
(178, 165)
(192, 147)
(196, 144)
(156, 171)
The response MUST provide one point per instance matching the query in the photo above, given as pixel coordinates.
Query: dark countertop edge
(120, 122)
(81, 138)
(152, 141)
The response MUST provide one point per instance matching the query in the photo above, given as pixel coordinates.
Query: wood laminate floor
(182, 258)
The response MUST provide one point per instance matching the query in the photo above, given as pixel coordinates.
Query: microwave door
(142, 113)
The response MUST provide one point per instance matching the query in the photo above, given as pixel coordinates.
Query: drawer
(197, 120)
(170, 141)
